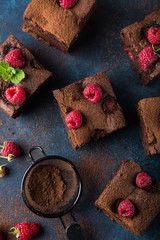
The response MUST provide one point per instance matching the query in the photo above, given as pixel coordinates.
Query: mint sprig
(11, 74)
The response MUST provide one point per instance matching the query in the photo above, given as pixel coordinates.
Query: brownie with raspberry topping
(89, 109)
(141, 41)
(55, 25)
(35, 76)
(148, 110)
(131, 198)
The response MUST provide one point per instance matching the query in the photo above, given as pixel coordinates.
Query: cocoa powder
(46, 186)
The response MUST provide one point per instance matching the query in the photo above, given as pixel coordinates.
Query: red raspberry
(154, 35)
(147, 58)
(126, 209)
(92, 92)
(74, 119)
(15, 94)
(143, 180)
(10, 148)
(111, 104)
(67, 3)
(129, 53)
(15, 58)
(26, 230)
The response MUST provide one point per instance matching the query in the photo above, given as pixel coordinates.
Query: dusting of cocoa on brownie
(46, 185)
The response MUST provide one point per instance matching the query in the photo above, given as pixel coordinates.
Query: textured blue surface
(98, 49)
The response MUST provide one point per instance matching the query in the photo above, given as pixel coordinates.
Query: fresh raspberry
(143, 180)
(110, 104)
(67, 3)
(15, 94)
(147, 58)
(15, 58)
(74, 119)
(126, 209)
(129, 53)
(154, 35)
(10, 148)
(26, 230)
(92, 92)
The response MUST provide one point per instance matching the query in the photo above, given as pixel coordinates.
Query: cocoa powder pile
(46, 186)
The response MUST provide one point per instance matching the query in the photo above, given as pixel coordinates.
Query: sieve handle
(74, 232)
(36, 148)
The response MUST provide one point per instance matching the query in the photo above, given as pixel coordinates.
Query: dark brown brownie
(35, 77)
(149, 113)
(97, 120)
(123, 186)
(134, 40)
(47, 21)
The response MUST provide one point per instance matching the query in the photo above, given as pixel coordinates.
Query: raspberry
(147, 58)
(129, 53)
(154, 35)
(25, 230)
(92, 92)
(110, 104)
(143, 180)
(74, 119)
(15, 95)
(126, 209)
(15, 58)
(67, 3)
(10, 148)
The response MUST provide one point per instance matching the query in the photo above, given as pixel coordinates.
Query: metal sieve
(72, 193)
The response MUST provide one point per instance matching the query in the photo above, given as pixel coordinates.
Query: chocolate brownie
(35, 77)
(141, 41)
(49, 22)
(148, 113)
(124, 186)
(98, 118)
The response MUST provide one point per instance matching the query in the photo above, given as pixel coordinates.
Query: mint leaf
(4, 65)
(11, 70)
(9, 73)
(18, 77)
(5, 76)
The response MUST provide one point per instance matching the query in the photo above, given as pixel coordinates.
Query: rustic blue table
(98, 49)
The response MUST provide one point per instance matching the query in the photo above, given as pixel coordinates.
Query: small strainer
(72, 193)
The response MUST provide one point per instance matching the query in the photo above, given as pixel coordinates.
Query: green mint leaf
(9, 73)
(18, 77)
(11, 70)
(5, 76)
(4, 65)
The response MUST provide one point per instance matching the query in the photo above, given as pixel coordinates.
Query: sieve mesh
(71, 195)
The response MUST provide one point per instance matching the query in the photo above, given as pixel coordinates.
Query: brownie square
(98, 119)
(35, 77)
(134, 39)
(149, 114)
(123, 186)
(49, 22)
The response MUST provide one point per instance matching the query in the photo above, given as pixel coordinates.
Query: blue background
(98, 49)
